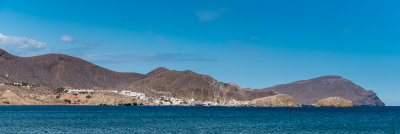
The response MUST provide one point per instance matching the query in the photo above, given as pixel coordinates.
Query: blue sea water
(149, 119)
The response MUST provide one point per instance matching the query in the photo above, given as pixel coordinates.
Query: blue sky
(255, 44)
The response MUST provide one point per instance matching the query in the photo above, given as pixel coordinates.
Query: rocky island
(334, 102)
(279, 100)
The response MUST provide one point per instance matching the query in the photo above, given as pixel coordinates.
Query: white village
(162, 100)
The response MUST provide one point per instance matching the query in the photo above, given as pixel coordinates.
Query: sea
(176, 119)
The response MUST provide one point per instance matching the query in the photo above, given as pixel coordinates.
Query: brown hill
(10, 98)
(57, 70)
(188, 84)
(308, 92)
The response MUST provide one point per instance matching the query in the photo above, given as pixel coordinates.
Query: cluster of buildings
(161, 101)
(140, 96)
(77, 91)
(26, 85)
(237, 103)
(171, 101)
(164, 100)
(232, 102)
(136, 95)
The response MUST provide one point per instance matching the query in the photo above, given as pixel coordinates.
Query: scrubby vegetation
(61, 90)
(88, 96)
(67, 101)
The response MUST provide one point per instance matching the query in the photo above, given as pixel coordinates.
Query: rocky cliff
(334, 102)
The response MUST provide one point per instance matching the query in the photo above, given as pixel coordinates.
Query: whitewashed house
(237, 103)
(194, 102)
(166, 103)
(76, 91)
(176, 101)
(137, 95)
(210, 103)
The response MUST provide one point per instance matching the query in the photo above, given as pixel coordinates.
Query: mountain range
(58, 70)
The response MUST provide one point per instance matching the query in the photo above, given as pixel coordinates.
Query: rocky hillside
(57, 70)
(308, 92)
(188, 84)
(10, 95)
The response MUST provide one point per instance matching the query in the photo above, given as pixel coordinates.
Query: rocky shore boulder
(334, 102)
(279, 100)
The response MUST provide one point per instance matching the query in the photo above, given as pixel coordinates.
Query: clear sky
(255, 43)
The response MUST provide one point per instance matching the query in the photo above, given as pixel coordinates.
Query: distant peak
(330, 77)
(158, 71)
(5, 54)
(234, 84)
(3, 51)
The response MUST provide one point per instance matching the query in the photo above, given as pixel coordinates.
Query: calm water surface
(120, 119)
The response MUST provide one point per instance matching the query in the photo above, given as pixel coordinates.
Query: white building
(108, 91)
(156, 101)
(166, 103)
(17, 84)
(210, 103)
(137, 95)
(76, 91)
(164, 98)
(176, 101)
(194, 102)
(237, 103)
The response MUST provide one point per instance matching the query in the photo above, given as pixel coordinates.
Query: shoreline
(201, 106)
